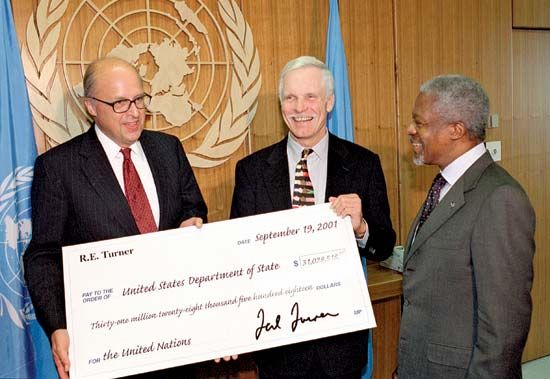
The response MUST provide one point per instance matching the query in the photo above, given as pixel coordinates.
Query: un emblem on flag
(15, 234)
(199, 65)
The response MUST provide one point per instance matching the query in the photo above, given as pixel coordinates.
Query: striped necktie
(303, 188)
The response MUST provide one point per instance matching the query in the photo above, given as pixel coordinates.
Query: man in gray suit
(468, 264)
(80, 191)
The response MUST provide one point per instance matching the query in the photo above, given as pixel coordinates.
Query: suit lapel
(449, 205)
(338, 170)
(276, 177)
(100, 175)
(410, 236)
(276, 173)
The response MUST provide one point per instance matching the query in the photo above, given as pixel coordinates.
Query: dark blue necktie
(432, 199)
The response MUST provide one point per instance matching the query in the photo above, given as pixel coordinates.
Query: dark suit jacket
(467, 280)
(262, 185)
(76, 199)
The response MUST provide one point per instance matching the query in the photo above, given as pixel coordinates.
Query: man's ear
(330, 103)
(90, 106)
(458, 130)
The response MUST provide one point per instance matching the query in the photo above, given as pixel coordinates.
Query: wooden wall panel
(388, 315)
(531, 165)
(433, 37)
(367, 29)
(283, 30)
(531, 14)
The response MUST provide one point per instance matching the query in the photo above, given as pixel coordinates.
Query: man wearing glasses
(113, 181)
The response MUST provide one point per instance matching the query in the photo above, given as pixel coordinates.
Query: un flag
(24, 349)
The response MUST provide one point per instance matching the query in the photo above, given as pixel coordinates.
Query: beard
(418, 159)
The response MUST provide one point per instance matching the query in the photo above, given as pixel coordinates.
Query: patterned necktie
(303, 188)
(432, 199)
(136, 196)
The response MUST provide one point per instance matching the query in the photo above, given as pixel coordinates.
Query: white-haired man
(312, 166)
(468, 265)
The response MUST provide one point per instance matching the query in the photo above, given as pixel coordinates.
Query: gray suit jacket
(76, 198)
(467, 280)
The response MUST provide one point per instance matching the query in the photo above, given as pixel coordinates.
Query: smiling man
(468, 266)
(311, 166)
(113, 181)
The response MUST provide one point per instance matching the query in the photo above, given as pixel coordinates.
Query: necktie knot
(438, 183)
(126, 153)
(306, 153)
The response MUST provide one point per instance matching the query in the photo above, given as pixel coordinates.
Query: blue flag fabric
(24, 348)
(340, 120)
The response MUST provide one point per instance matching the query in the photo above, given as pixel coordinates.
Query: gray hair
(90, 76)
(307, 61)
(459, 98)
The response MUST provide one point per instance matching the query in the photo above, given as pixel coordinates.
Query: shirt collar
(294, 149)
(458, 167)
(113, 150)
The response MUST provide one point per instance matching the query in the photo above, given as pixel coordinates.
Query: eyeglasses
(121, 106)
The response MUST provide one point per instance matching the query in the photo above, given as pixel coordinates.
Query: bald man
(79, 194)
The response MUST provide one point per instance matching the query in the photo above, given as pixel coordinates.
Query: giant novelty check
(165, 299)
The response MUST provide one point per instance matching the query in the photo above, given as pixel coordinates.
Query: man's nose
(300, 105)
(133, 110)
(411, 129)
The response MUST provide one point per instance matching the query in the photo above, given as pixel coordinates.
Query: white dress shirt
(317, 168)
(316, 165)
(140, 162)
(458, 167)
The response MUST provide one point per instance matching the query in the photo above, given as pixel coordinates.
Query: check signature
(297, 320)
